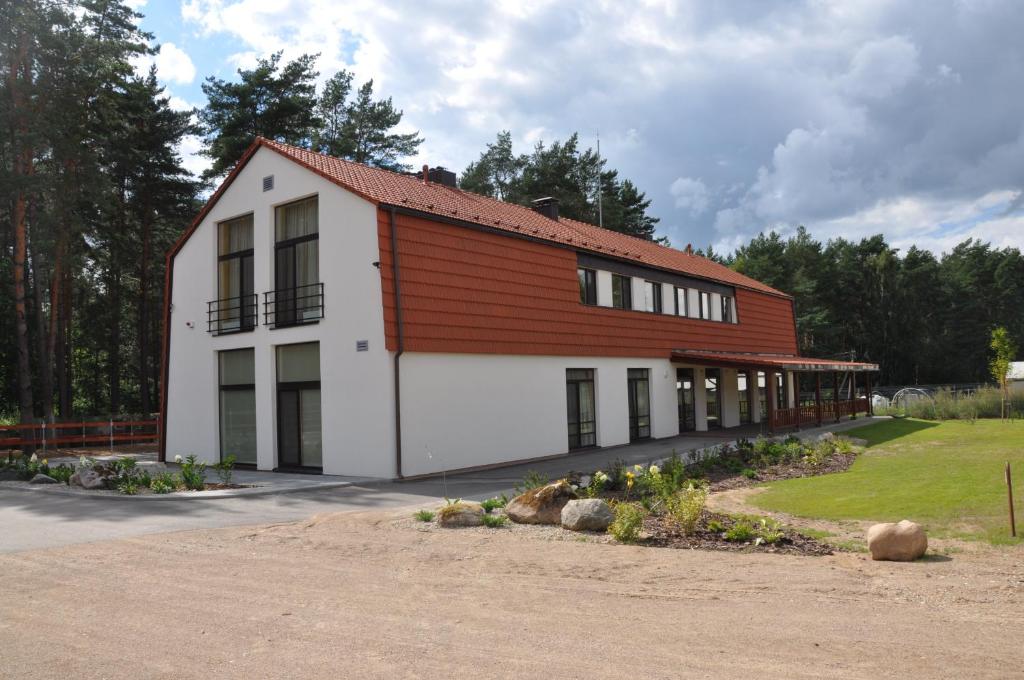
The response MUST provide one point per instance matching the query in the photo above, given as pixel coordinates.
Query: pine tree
(368, 135)
(270, 100)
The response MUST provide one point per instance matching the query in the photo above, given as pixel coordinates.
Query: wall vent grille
(268, 182)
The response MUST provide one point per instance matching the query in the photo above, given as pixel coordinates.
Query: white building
(296, 339)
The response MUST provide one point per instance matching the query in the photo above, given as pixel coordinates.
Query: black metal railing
(293, 306)
(232, 315)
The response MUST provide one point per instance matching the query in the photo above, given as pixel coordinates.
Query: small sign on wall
(362, 345)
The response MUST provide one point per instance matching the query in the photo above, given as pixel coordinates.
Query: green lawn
(947, 476)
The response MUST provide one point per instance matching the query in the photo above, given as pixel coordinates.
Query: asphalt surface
(33, 519)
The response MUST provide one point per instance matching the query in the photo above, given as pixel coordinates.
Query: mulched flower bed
(722, 480)
(662, 533)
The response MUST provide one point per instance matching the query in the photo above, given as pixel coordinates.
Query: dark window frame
(713, 410)
(234, 387)
(745, 397)
(638, 432)
(625, 290)
(727, 309)
(656, 301)
(577, 440)
(687, 414)
(291, 296)
(704, 300)
(246, 301)
(686, 301)
(295, 387)
(588, 285)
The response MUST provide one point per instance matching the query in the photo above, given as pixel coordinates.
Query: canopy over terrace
(797, 413)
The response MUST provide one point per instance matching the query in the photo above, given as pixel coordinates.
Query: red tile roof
(392, 188)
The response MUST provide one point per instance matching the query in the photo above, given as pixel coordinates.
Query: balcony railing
(232, 315)
(293, 306)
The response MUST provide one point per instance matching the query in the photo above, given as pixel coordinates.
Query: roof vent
(268, 182)
(547, 206)
(442, 176)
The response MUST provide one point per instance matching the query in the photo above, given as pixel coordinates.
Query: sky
(850, 117)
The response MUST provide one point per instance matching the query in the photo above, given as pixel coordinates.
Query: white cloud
(850, 117)
(174, 65)
(690, 194)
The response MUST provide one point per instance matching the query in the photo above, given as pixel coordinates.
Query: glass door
(639, 404)
(686, 401)
(744, 388)
(298, 406)
(582, 414)
(237, 369)
(713, 392)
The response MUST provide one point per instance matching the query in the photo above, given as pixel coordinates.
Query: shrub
(225, 468)
(629, 519)
(716, 526)
(164, 482)
(424, 516)
(62, 473)
(768, 531)
(532, 480)
(598, 481)
(193, 473)
(842, 445)
(495, 521)
(819, 454)
(740, 532)
(749, 473)
(128, 487)
(686, 507)
(493, 503)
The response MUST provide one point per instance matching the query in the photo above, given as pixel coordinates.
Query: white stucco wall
(465, 410)
(356, 387)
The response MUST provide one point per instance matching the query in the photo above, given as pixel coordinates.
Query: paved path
(30, 520)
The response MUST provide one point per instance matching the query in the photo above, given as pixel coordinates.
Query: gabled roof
(384, 187)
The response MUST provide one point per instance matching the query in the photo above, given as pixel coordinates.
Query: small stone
(460, 514)
(587, 514)
(542, 505)
(90, 477)
(43, 479)
(826, 436)
(904, 541)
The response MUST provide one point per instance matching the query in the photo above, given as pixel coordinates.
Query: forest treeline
(95, 192)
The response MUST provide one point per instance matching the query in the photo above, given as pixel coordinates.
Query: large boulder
(461, 514)
(94, 477)
(542, 505)
(43, 479)
(901, 542)
(587, 514)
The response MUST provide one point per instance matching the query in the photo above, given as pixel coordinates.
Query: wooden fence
(79, 434)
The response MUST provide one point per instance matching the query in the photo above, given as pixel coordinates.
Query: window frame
(232, 387)
(704, 300)
(573, 382)
(247, 314)
(684, 309)
(655, 302)
(625, 290)
(587, 279)
(727, 309)
(292, 308)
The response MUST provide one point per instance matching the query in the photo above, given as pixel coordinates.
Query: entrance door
(745, 389)
(685, 399)
(639, 388)
(298, 406)
(713, 392)
(582, 414)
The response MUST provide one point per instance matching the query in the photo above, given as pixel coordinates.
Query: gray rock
(826, 436)
(89, 478)
(587, 514)
(905, 541)
(43, 479)
(461, 514)
(542, 505)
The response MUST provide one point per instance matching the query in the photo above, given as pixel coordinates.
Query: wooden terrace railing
(81, 433)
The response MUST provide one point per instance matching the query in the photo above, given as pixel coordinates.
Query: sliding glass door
(582, 414)
(298, 406)
(638, 384)
(237, 369)
(713, 394)
(685, 399)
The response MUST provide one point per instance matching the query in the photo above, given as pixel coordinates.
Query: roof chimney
(689, 249)
(426, 173)
(442, 176)
(547, 206)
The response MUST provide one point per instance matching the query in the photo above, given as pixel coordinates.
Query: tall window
(236, 305)
(639, 393)
(745, 391)
(588, 286)
(622, 292)
(681, 301)
(298, 406)
(652, 297)
(705, 305)
(726, 309)
(297, 296)
(762, 394)
(237, 369)
(582, 414)
(713, 395)
(685, 399)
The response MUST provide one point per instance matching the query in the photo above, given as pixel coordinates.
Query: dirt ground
(374, 596)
